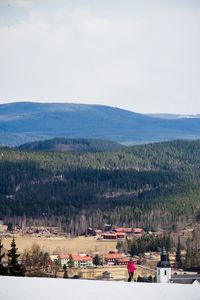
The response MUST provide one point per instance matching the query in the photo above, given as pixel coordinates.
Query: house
(80, 261)
(137, 231)
(120, 235)
(122, 261)
(54, 258)
(94, 232)
(97, 232)
(109, 236)
(126, 230)
(113, 235)
(113, 257)
(64, 258)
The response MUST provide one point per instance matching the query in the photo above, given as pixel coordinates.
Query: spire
(163, 263)
(163, 255)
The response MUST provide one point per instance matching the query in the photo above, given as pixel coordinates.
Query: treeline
(72, 144)
(187, 251)
(146, 243)
(176, 155)
(151, 186)
(192, 257)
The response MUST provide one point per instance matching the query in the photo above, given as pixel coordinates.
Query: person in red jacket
(131, 268)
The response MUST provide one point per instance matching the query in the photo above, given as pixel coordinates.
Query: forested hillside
(153, 186)
(24, 122)
(73, 145)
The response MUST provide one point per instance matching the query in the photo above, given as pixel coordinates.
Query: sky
(143, 55)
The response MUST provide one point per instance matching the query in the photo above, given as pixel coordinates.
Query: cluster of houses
(115, 258)
(117, 233)
(38, 231)
(85, 261)
(163, 270)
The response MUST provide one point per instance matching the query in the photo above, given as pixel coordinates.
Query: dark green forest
(154, 186)
(70, 144)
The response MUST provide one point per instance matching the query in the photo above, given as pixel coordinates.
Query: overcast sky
(141, 55)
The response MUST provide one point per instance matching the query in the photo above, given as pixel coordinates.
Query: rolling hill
(24, 122)
(73, 145)
(152, 186)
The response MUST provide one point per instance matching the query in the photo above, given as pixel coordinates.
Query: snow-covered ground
(15, 288)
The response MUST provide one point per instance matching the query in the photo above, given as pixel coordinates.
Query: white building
(80, 261)
(163, 274)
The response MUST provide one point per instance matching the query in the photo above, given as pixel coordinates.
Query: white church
(163, 273)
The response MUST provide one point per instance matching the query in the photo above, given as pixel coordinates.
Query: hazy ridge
(24, 122)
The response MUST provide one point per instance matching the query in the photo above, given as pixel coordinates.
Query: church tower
(163, 269)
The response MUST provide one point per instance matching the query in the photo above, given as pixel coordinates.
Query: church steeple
(163, 263)
(163, 268)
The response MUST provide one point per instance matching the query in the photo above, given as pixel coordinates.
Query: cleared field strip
(62, 245)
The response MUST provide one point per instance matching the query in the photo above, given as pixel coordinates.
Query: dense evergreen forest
(74, 145)
(153, 186)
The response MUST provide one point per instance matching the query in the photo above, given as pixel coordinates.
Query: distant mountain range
(23, 122)
(174, 116)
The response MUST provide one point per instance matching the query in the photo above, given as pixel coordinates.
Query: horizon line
(98, 104)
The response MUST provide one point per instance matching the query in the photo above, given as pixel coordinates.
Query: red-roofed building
(124, 229)
(82, 261)
(79, 261)
(113, 235)
(120, 235)
(122, 261)
(137, 230)
(113, 257)
(97, 232)
(63, 258)
(109, 236)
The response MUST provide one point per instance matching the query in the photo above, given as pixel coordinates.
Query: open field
(74, 246)
(117, 272)
(62, 245)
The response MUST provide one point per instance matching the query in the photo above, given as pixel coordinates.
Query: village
(80, 260)
(96, 255)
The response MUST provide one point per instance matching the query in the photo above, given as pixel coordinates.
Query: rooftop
(113, 255)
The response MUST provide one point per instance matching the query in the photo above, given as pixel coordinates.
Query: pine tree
(14, 268)
(188, 256)
(120, 246)
(3, 270)
(96, 260)
(178, 254)
(55, 267)
(65, 272)
(70, 261)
